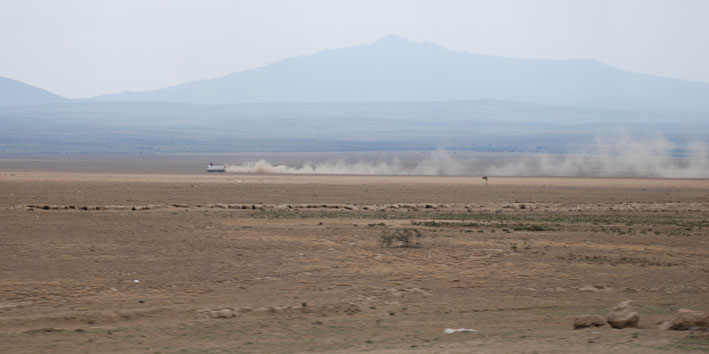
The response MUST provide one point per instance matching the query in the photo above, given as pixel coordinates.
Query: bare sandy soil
(225, 263)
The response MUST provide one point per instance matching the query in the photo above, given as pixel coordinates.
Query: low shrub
(402, 238)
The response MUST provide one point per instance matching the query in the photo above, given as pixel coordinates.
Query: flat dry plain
(179, 261)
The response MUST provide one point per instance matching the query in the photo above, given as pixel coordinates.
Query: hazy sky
(89, 47)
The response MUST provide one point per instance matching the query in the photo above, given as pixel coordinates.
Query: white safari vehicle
(216, 167)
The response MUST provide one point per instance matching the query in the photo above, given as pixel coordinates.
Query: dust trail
(438, 163)
(618, 155)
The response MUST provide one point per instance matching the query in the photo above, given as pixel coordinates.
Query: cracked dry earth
(194, 263)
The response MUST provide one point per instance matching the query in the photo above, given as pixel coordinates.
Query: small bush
(534, 228)
(403, 238)
(434, 223)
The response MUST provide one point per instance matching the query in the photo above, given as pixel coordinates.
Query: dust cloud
(618, 155)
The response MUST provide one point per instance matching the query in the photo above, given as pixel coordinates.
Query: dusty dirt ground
(225, 263)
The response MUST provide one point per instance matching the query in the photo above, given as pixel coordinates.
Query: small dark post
(485, 178)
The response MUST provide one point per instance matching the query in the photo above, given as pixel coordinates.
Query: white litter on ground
(458, 330)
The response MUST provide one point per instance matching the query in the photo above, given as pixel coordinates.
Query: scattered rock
(589, 288)
(349, 309)
(623, 315)
(685, 320)
(276, 309)
(595, 288)
(223, 313)
(589, 321)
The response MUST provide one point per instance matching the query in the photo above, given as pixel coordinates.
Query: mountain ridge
(17, 93)
(395, 69)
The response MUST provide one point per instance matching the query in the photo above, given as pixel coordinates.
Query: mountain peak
(15, 93)
(392, 39)
(396, 69)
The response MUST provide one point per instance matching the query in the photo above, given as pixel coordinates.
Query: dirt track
(298, 261)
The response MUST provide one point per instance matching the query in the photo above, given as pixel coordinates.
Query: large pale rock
(623, 315)
(222, 313)
(589, 321)
(687, 319)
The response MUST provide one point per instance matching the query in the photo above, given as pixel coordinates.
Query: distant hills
(393, 94)
(478, 125)
(16, 93)
(395, 69)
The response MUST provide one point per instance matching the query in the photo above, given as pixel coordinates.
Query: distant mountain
(16, 93)
(395, 69)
